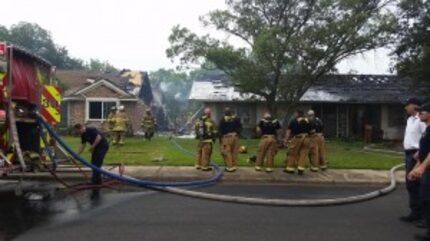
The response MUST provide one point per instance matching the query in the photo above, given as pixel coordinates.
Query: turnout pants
(118, 137)
(97, 158)
(110, 135)
(230, 149)
(317, 151)
(267, 150)
(149, 133)
(298, 149)
(204, 152)
(413, 187)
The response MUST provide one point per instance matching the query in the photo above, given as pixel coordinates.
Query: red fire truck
(27, 87)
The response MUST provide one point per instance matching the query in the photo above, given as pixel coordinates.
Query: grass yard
(160, 151)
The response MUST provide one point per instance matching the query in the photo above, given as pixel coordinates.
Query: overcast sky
(133, 33)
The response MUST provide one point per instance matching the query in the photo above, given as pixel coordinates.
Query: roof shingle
(331, 88)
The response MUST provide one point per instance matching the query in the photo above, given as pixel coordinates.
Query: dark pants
(425, 197)
(97, 160)
(413, 187)
(149, 135)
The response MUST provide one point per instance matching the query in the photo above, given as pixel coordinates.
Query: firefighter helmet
(243, 149)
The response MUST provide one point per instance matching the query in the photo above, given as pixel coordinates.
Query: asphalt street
(161, 216)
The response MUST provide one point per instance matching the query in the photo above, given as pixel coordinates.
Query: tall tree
(145, 92)
(39, 41)
(4, 33)
(288, 45)
(172, 82)
(175, 87)
(101, 66)
(413, 48)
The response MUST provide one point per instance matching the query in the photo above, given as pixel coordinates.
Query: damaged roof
(331, 88)
(77, 80)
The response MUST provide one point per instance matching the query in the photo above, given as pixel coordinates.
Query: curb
(350, 177)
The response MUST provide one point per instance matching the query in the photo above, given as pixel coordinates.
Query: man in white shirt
(413, 132)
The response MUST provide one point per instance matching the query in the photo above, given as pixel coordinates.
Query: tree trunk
(272, 106)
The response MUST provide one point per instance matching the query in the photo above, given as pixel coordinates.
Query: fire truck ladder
(12, 119)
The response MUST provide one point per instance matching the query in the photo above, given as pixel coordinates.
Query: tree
(39, 41)
(413, 49)
(288, 45)
(146, 92)
(172, 82)
(100, 66)
(4, 33)
(175, 87)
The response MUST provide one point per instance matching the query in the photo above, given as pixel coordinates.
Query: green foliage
(176, 88)
(288, 45)
(96, 65)
(173, 81)
(39, 41)
(413, 48)
(4, 33)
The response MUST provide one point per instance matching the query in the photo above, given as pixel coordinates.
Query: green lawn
(160, 151)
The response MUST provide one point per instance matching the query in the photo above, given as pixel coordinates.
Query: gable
(105, 92)
(106, 84)
(78, 78)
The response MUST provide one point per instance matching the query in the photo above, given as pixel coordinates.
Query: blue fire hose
(171, 186)
(131, 180)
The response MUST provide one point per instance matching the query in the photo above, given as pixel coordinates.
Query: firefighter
(148, 124)
(297, 141)
(110, 123)
(316, 143)
(206, 132)
(98, 149)
(268, 147)
(120, 126)
(230, 128)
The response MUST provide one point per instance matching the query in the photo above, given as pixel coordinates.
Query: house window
(244, 113)
(99, 109)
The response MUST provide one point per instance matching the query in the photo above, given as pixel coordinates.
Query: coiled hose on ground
(285, 202)
(291, 202)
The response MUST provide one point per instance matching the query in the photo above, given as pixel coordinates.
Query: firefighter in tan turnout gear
(148, 124)
(268, 147)
(297, 141)
(206, 133)
(316, 143)
(120, 126)
(229, 130)
(109, 123)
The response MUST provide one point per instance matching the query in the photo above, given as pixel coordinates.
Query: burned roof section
(331, 88)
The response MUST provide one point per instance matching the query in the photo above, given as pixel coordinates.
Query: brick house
(90, 96)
